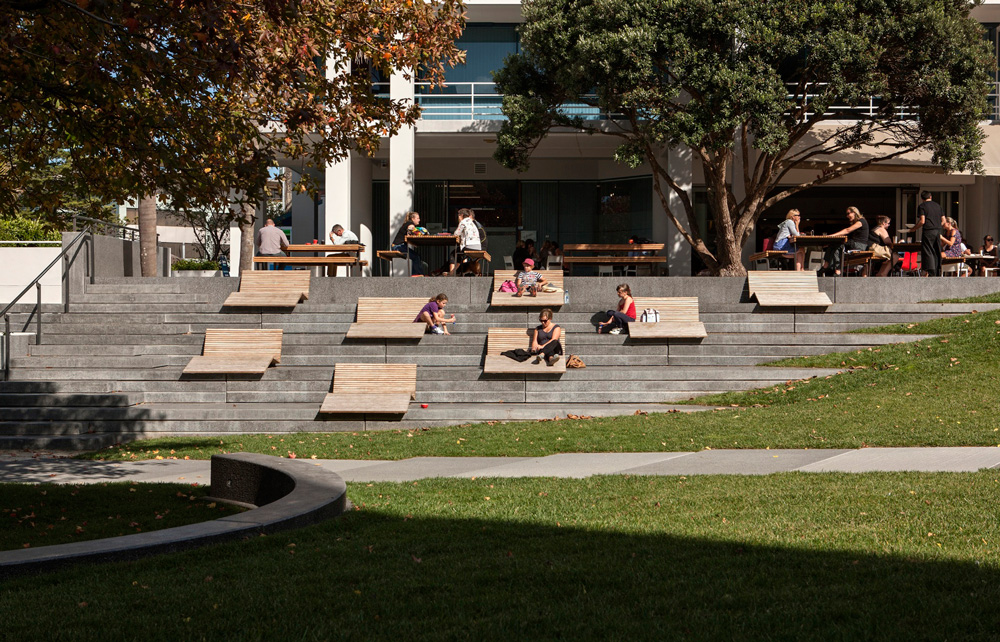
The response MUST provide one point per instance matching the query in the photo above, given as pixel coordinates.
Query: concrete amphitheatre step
(111, 368)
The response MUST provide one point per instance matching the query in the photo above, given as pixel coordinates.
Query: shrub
(194, 264)
(26, 229)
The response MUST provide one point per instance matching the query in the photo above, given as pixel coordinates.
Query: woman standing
(857, 239)
(545, 339)
(783, 241)
(619, 319)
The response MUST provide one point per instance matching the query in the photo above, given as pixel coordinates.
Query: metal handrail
(121, 231)
(36, 282)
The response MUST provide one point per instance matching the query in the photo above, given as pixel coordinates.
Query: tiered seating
(371, 388)
(387, 319)
(270, 289)
(499, 340)
(678, 319)
(785, 289)
(237, 352)
(542, 300)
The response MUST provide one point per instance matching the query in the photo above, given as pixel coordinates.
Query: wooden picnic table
(612, 254)
(312, 261)
(354, 248)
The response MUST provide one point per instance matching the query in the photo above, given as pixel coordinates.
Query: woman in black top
(545, 339)
(857, 239)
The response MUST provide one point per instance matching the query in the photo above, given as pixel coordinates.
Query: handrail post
(65, 283)
(6, 347)
(38, 315)
(90, 256)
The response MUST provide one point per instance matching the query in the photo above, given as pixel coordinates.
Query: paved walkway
(572, 465)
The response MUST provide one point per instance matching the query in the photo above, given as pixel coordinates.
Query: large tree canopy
(755, 88)
(196, 98)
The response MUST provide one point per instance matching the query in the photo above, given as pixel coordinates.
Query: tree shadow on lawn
(377, 575)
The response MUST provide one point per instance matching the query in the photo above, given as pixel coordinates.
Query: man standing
(340, 236)
(270, 241)
(929, 216)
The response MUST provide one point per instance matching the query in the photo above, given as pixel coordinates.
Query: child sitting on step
(527, 280)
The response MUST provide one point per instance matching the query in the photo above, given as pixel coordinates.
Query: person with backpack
(468, 238)
(619, 319)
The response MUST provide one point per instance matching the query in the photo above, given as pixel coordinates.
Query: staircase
(110, 369)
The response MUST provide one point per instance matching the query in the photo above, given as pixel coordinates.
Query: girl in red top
(619, 319)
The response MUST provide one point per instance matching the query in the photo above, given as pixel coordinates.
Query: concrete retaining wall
(20, 267)
(599, 292)
(113, 258)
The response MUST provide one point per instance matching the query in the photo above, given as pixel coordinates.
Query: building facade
(574, 192)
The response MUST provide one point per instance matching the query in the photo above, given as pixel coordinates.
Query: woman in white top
(783, 242)
(468, 237)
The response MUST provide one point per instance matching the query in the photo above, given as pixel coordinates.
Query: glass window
(486, 45)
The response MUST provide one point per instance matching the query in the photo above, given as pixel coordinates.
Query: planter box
(192, 273)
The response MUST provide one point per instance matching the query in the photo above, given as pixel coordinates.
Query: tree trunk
(730, 256)
(147, 235)
(246, 237)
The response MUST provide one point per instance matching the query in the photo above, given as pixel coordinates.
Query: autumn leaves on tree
(193, 99)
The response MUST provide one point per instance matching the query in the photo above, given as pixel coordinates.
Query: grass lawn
(46, 514)
(935, 392)
(790, 556)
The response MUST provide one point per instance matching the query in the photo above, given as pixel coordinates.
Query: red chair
(910, 265)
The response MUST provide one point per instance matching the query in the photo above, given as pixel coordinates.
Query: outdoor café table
(443, 241)
(972, 259)
(347, 249)
(612, 254)
(822, 241)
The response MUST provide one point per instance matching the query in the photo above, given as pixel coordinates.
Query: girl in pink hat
(527, 280)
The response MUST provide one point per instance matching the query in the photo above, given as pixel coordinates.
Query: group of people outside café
(940, 239)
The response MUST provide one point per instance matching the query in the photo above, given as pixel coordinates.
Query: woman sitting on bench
(433, 315)
(619, 319)
(545, 339)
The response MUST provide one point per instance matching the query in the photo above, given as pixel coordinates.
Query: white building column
(401, 162)
(235, 237)
(348, 202)
(679, 164)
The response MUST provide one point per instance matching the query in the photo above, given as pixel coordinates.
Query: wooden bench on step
(499, 340)
(786, 289)
(543, 300)
(270, 289)
(678, 319)
(237, 352)
(371, 389)
(387, 319)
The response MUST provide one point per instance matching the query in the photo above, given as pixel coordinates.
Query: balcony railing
(480, 101)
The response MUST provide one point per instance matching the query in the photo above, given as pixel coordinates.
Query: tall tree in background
(195, 99)
(755, 89)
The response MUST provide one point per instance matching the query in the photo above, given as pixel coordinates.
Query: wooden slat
(771, 254)
(496, 364)
(324, 247)
(678, 318)
(375, 378)
(389, 310)
(362, 404)
(675, 308)
(236, 343)
(613, 260)
(389, 255)
(543, 300)
(668, 330)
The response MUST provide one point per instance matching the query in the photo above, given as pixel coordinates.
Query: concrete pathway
(45, 468)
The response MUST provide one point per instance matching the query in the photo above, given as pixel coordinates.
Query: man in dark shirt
(929, 216)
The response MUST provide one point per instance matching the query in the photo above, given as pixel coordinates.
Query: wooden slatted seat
(543, 300)
(855, 258)
(499, 340)
(389, 255)
(787, 288)
(371, 388)
(237, 352)
(270, 289)
(678, 319)
(387, 319)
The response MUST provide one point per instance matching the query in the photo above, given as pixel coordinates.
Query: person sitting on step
(619, 319)
(433, 315)
(545, 339)
(527, 280)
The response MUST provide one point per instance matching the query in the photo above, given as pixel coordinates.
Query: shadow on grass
(376, 575)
